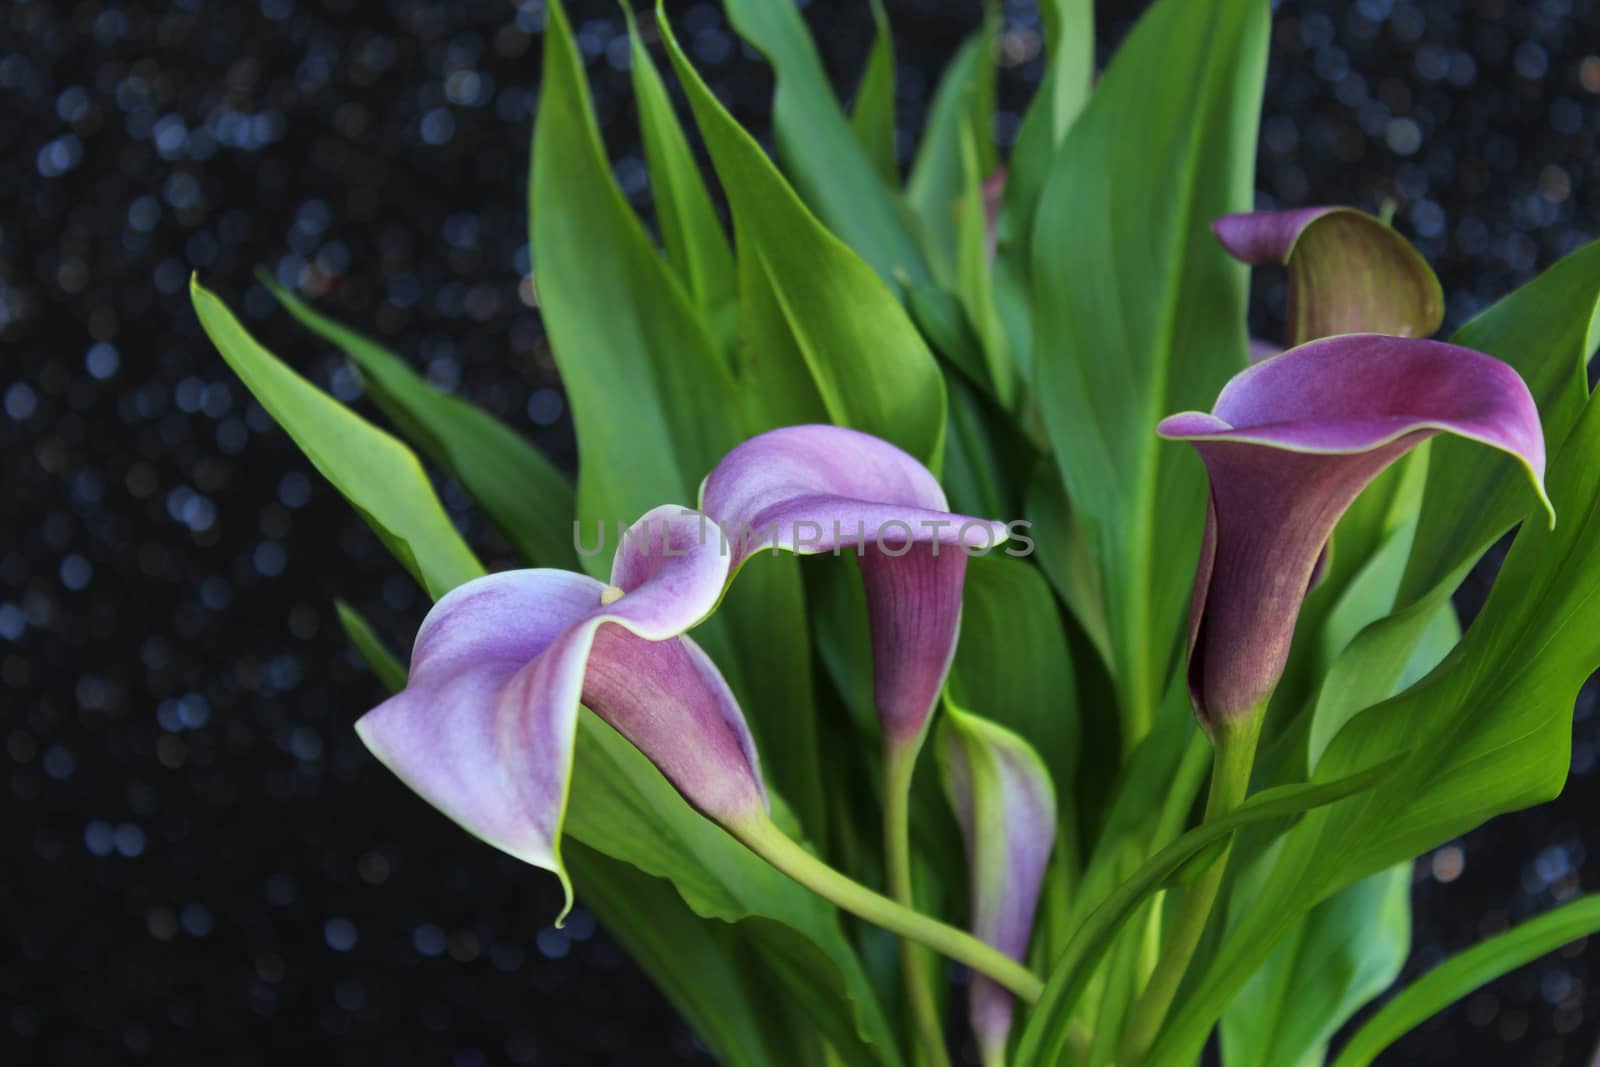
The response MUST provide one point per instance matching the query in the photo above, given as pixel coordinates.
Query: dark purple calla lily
(484, 729)
(1288, 446)
(816, 489)
(1348, 272)
(1006, 807)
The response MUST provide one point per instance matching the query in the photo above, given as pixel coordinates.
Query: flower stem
(763, 837)
(1235, 745)
(899, 764)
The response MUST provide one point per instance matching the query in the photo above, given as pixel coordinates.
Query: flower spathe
(1348, 271)
(1005, 805)
(1289, 444)
(816, 489)
(484, 730)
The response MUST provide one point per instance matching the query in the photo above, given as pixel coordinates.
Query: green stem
(1235, 744)
(899, 764)
(763, 837)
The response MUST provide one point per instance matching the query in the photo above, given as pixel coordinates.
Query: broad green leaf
(872, 117)
(700, 965)
(1140, 313)
(1013, 667)
(622, 806)
(522, 492)
(369, 646)
(1461, 974)
(1046, 1031)
(820, 153)
(943, 321)
(871, 367)
(1066, 558)
(1545, 330)
(1487, 732)
(655, 406)
(378, 475)
(696, 245)
(1349, 949)
(963, 107)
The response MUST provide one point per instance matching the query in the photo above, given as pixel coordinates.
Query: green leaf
(963, 106)
(652, 401)
(820, 152)
(390, 671)
(1487, 732)
(872, 118)
(1141, 313)
(1012, 666)
(871, 367)
(622, 806)
(1349, 949)
(1461, 974)
(696, 246)
(655, 406)
(1066, 558)
(378, 475)
(1069, 74)
(1545, 330)
(1069, 32)
(522, 492)
(699, 964)
(1046, 1032)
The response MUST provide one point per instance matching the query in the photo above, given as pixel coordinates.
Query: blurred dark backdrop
(200, 860)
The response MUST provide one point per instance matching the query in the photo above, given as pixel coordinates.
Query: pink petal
(815, 489)
(1289, 445)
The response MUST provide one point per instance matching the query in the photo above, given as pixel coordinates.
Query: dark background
(200, 862)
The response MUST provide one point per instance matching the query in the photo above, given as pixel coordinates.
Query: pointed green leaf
(1046, 1033)
(1461, 974)
(390, 671)
(696, 246)
(872, 118)
(1546, 331)
(522, 492)
(820, 153)
(378, 475)
(963, 107)
(1140, 312)
(870, 365)
(1349, 949)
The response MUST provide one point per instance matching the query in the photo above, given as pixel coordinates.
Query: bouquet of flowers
(960, 635)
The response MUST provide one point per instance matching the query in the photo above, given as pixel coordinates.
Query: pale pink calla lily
(1288, 446)
(816, 489)
(484, 729)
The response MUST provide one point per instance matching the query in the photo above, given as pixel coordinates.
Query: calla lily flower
(816, 489)
(484, 729)
(1006, 807)
(1348, 272)
(1288, 446)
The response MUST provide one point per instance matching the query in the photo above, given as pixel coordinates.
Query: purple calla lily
(1006, 807)
(816, 489)
(484, 729)
(1348, 271)
(1288, 446)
